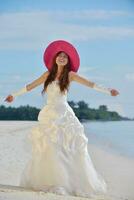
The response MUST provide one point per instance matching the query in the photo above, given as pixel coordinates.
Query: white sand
(15, 193)
(15, 152)
(118, 171)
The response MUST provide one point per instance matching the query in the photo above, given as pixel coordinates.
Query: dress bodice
(54, 95)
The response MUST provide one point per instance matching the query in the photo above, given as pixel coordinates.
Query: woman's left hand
(114, 92)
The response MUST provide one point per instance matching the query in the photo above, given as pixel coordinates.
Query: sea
(115, 136)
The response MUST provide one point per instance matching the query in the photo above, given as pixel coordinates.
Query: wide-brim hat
(61, 45)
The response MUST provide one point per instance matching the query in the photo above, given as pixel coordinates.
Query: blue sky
(102, 31)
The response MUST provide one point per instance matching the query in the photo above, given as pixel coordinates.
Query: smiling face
(62, 59)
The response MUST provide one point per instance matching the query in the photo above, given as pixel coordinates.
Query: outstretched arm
(28, 87)
(38, 81)
(81, 80)
(87, 82)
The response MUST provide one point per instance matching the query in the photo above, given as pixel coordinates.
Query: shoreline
(117, 170)
(111, 150)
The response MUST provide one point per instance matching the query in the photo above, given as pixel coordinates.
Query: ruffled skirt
(60, 160)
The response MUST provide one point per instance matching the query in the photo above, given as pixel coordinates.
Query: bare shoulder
(45, 75)
(74, 76)
(71, 75)
(38, 81)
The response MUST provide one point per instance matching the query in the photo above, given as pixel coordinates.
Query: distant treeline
(81, 110)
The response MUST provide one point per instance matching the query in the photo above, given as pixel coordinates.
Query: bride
(60, 160)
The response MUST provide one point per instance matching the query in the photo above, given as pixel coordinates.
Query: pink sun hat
(61, 45)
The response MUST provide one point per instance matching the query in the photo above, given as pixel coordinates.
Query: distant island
(81, 110)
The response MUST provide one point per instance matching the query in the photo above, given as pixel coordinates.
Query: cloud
(29, 30)
(101, 78)
(9, 79)
(129, 76)
(117, 107)
(90, 14)
(84, 71)
(16, 77)
(87, 69)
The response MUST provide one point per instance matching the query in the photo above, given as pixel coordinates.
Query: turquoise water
(116, 136)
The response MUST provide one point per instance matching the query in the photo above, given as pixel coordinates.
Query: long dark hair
(64, 76)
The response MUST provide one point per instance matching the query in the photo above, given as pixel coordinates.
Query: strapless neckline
(57, 81)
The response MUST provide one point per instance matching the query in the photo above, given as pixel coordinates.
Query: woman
(60, 160)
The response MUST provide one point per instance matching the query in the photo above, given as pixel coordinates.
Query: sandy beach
(117, 171)
(15, 151)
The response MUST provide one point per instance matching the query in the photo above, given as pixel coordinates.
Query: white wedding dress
(60, 160)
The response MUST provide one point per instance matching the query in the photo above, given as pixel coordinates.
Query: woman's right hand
(9, 98)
